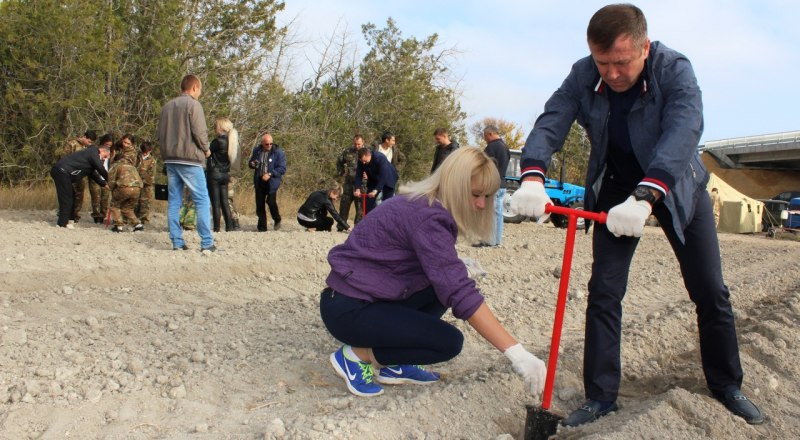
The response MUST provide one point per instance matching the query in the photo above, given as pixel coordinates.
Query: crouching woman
(398, 272)
(313, 215)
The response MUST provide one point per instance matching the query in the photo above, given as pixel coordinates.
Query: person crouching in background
(313, 215)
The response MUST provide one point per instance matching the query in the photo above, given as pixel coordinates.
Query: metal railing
(753, 141)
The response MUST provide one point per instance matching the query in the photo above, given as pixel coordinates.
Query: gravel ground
(109, 336)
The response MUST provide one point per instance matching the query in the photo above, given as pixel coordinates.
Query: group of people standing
(121, 179)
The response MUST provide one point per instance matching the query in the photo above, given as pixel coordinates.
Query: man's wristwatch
(644, 193)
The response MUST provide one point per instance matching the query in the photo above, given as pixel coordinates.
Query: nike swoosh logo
(346, 369)
(398, 371)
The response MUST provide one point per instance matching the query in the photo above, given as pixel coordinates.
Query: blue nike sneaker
(397, 374)
(357, 375)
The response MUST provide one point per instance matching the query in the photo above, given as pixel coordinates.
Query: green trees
(399, 86)
(109, 65)
(403, 84)
(74, 65)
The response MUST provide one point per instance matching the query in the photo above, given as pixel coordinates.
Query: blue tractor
(562, 194)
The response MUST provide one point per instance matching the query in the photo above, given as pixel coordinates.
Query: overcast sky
(514, 54)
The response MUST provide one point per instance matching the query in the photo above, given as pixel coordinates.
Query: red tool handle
(363, 204)
(561, 303)
(599, 217)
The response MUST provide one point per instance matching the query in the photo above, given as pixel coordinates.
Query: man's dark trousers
(263, 199)
(65, 195)
(701, 268)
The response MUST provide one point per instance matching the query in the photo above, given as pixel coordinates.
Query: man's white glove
(530, 199)
(628, 218)
(531, 368)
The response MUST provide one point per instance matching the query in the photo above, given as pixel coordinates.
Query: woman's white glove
(474, 268)
(531, 368)
(628, 218)
(530, 199)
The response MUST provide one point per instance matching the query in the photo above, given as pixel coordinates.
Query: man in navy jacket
(642, 110)
(268, 163)
(381, 176)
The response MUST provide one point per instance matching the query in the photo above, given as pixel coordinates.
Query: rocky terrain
(116, 336)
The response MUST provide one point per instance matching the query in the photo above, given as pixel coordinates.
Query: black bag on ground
(162, 192)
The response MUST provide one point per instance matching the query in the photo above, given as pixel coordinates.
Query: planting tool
(540, 423)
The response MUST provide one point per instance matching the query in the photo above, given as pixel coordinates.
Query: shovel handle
(364, 204)
(561, 303)
(599, 217)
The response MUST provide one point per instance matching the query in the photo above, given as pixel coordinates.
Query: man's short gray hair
(491, 129)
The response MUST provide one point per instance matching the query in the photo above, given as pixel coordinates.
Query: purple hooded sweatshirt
(400, 248)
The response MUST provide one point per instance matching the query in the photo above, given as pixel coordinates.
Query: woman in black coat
(218, 169)
(313, 215)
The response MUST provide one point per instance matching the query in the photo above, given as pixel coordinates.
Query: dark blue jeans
(701, 268)
(401, 332)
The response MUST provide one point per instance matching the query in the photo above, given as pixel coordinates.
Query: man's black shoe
(211, 248)
(98, 220)
(277, 226)
(741, 406)
(182, 248)
(590, 411)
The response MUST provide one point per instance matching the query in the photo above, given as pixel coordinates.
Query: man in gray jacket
(183, 136)
(641, 108)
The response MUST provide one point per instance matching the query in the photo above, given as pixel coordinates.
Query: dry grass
(42, 196)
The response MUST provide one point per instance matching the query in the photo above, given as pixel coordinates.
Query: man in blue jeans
(498, 151)
(183, 136)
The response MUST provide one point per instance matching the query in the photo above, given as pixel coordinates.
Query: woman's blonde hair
(452, 184)
(334, 187)
(225, 126)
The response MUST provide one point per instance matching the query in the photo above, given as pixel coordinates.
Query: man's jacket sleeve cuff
(532, 168)
(659, 180)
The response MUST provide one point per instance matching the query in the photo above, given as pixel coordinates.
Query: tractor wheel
(508, 215)
(561, 221)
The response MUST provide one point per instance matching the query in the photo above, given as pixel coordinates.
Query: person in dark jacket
(218, 168)
(398, 272)
(498, 151)
(642, 110)
(86, 162)
(268, 163)
(313, 215)
(381, 176)
(444, 147)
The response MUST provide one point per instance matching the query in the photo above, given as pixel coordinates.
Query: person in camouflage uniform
(101, 196)
(346, 167)
(79, 186)
(126, 185)
(146, 169)
(188, 213)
